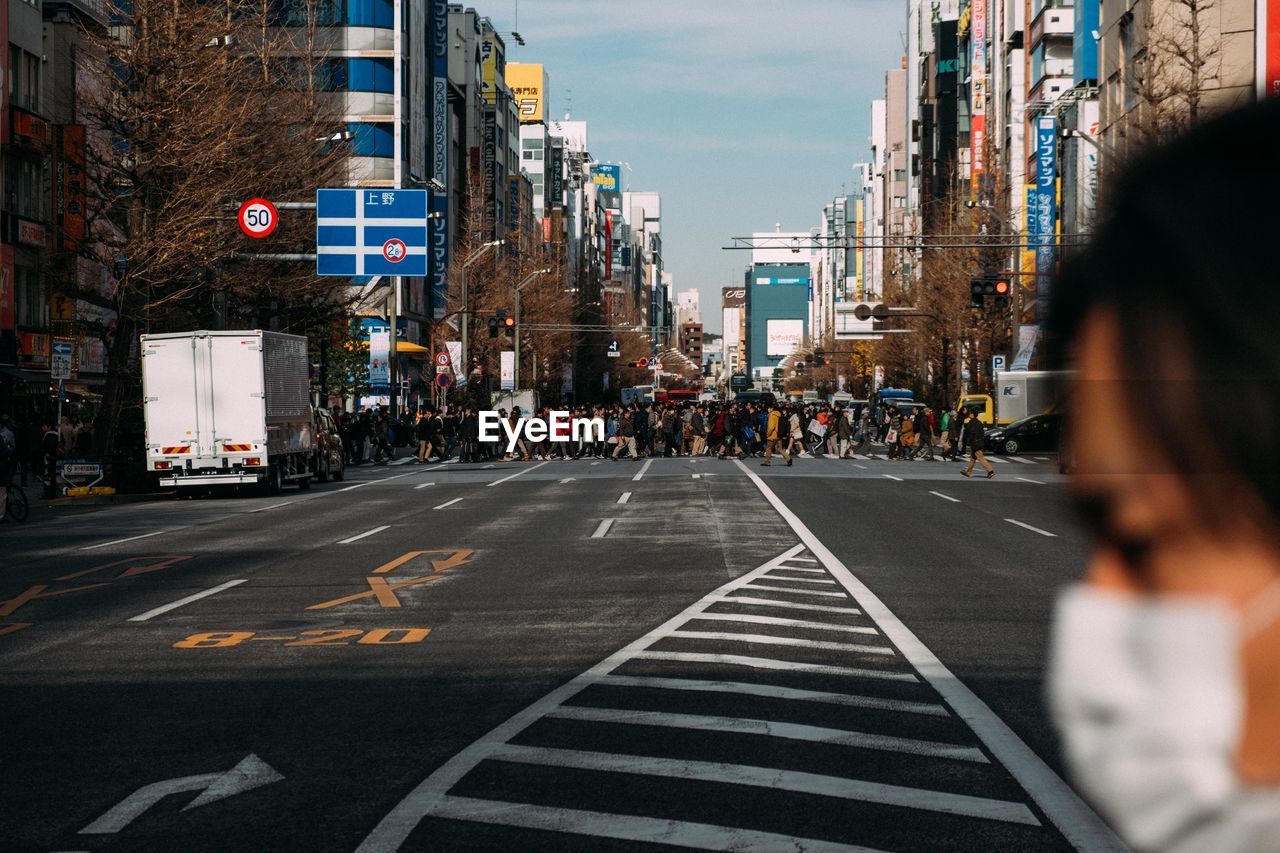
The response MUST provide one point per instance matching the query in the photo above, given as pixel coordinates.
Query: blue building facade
(777, 314)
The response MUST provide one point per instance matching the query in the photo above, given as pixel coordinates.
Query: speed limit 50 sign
(258, 218)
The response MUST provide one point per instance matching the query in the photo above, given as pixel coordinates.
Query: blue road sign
(371, 232)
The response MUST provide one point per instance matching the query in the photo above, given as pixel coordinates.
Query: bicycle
(16, 506)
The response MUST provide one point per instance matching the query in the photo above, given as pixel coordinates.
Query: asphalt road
(840, 655)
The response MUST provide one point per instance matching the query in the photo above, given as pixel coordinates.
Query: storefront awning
(31, 378)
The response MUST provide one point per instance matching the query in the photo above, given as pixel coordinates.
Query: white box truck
(1022, 393)
(227, 408)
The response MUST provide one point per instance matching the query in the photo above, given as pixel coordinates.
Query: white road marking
(768, 728)
(860, 456)
(626, 496)
(697, 476)
(946, 497)
(752, 619)
(643, 468)
(1042, 458)
(423, 485)
(1023, 524)
(603, 529)
(1020, 459)
(447, 503)
(785, 780)
(771, 576)
(597, 462)
(566, 480)
(128, 539)
(791, 605)
(800, 560)
(856, 465)
(1083, 829)
(174, 605)
(699, 836)
(798, 569)
(1029, 480)
(404, 461)
(775, 664)
(794, 591)
(518, 473)
(771, 640)
(483, 467)
(775, 692)
(380, 480)
(991, 457)
(273, 506)
(360, 536)
(891, 477)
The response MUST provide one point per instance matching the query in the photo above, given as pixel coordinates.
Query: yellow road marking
(14, 628)
(38, 591)
(165, 562)
(397, 562)
(378, 591)
(385, 592)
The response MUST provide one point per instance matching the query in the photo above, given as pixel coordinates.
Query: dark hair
(1182, 258)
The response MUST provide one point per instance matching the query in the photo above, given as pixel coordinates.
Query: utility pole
(520, 287)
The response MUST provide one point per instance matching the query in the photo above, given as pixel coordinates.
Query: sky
(741, 113)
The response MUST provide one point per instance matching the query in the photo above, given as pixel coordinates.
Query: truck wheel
(1011, 445)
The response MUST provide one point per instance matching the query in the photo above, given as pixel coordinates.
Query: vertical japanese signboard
(379, 357)
(978, 78)
(1046, 197)
(440, 139)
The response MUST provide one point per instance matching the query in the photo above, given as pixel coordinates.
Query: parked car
(328, 461)
(1037, 433)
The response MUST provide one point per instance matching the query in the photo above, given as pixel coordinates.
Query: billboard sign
(439, 227)
(507, 371)
(555, 174)
(783, 336)
(371, 232)
(489, 70)
(68, 186)
(60, 359)
(380, 357)
(1046, 193)
(978, 89)
(607, 178)
(528, 84)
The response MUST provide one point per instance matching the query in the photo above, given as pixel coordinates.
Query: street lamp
(466, 296)
(519, 287)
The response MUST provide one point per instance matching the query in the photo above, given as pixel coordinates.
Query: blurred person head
(1165, 668)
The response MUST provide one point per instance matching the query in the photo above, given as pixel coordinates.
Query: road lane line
(794, 591)
(447, 503)
(518, 473)
(752, 619)
(360, 536)
(143, 617)
(856, 465)
(891, 477)
(1082, 828)
(129, 539)
(771, 640)
(1032, 529)
(699, 836)
(791, 605)
(768, 777)
(626, 496)
(946, 497)
(769, 728)
(603, 529)
(640, 474)
(1029, 480)
(382, 480)
(775, 664)
(423, 485)
(771, 691)
(273, 506)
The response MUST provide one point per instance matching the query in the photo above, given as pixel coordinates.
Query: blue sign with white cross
(371, 232)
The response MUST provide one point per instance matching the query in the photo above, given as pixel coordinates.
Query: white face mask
(1149, 699)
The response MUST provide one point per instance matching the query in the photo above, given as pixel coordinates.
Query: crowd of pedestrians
(898, 431)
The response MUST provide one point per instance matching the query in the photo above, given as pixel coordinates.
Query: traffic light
(977, 293)
(493, 327)
(509, 323)
(1003, 291)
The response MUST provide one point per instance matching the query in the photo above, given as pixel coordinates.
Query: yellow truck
(1019, 394)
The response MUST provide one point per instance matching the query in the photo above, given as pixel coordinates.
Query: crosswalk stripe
(767, 777)
(771, 576)
(703, 836)
(793, 591)
(782, 620)
(771, 728)
(1020, 459)
(773, 663)
(994, 458)
(791, 605)
(799, 560)
(771, 691)
(771, 640)
(809, 569)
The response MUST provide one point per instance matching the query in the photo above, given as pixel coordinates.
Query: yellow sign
(528, 84)
(489, 70)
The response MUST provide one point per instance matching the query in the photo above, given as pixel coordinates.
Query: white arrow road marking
(252, 772)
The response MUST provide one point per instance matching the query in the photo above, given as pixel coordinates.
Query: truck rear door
(172, 409)
(233, 375)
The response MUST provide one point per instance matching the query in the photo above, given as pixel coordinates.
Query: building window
(371, 13)
(532, 143)
(372, 140)
(31, 303)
